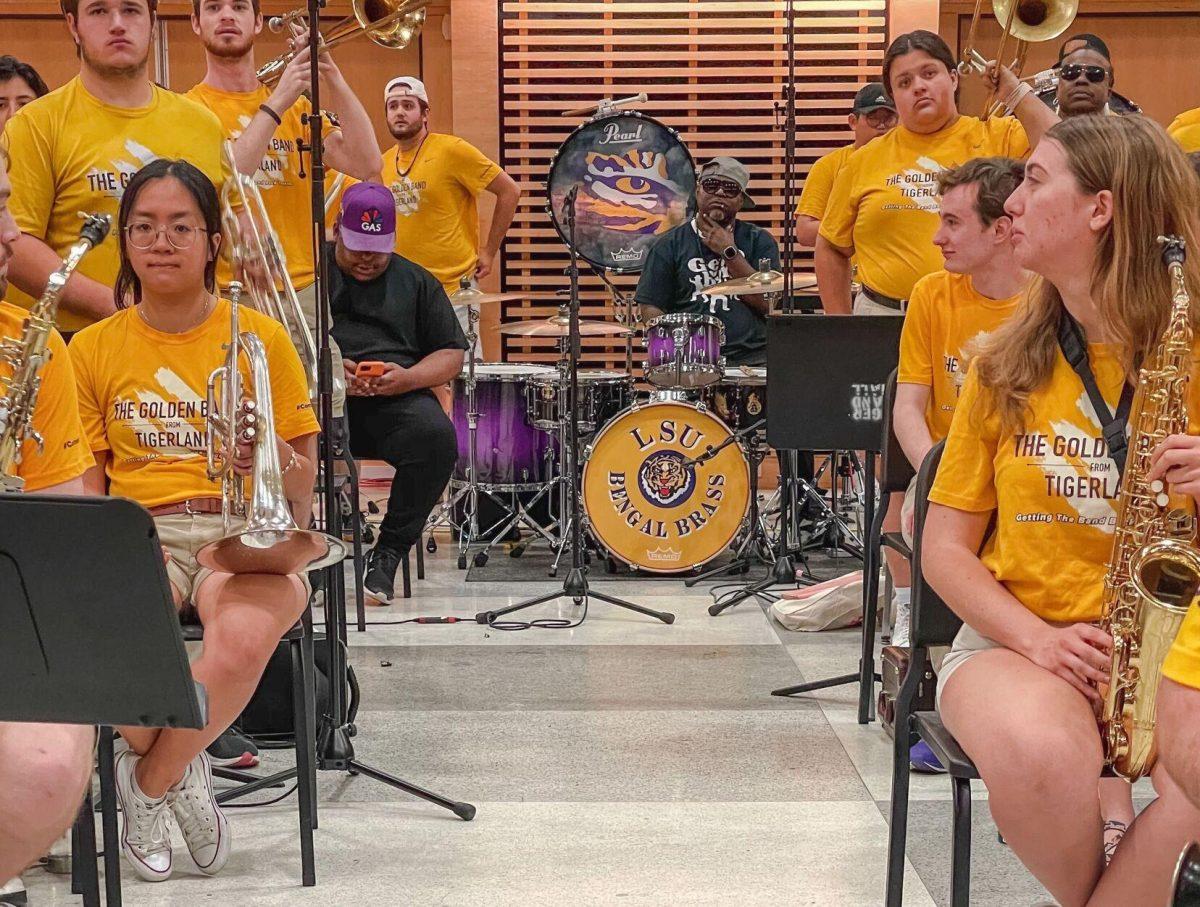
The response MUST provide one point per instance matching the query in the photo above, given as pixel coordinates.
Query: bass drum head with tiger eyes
(635, 178)
(648, 508)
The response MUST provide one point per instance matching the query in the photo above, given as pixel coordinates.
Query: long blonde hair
(1155, 192)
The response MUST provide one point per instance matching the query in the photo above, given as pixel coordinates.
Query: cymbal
(559, 326)
(475, 296)
(760, 282)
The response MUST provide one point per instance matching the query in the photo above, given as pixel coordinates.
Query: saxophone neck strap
(1074, 350)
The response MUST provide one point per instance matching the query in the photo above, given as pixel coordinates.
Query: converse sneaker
(205, 828)
(380, 579)
(145, 837)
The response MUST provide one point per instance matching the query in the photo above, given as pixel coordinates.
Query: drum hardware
(756, 539)
(606, 107)
(831, 530)
(576, 586)
(764, 280)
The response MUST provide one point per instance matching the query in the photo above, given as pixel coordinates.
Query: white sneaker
(12, 894)
(204, 826)
(145, 835)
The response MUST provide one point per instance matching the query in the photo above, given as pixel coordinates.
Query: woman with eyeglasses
(142, 376)
(1022, 515)
(884, 209)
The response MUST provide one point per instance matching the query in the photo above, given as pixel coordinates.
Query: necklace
(416, 154)
(203, 315)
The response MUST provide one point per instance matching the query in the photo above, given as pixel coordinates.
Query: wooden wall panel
(714, 71)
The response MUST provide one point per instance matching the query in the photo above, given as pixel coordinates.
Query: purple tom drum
(684, 350)
(510, 452)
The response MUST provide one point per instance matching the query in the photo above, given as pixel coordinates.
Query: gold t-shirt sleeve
(837, 225)
(966, 477)
(916, 353)
(64, 456)
(91, 407)
(31, 168)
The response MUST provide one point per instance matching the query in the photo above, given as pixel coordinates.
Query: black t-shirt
(401, 316)
(679, 264)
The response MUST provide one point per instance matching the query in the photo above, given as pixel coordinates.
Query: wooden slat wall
(714, 70)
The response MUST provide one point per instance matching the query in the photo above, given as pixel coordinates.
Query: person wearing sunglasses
(1084, 80)
(711, 247)
(872, 115)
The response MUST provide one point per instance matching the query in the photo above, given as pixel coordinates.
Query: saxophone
(27, 356)
(1154, 571)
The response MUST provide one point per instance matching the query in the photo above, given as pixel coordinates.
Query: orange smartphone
(369, 370)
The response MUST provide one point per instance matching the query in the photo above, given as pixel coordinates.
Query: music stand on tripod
(90, 636)
(837, 369)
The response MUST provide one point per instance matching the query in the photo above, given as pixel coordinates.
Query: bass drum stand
(576, 585)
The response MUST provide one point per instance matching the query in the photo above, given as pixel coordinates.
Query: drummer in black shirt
(392, 315)
(712, 247)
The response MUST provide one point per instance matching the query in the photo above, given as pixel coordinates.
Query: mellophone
(644, 503)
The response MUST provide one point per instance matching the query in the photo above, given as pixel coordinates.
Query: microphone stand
(335, 749)
(575, 587)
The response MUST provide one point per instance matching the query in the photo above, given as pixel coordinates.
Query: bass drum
(636, 180)
(649, 509)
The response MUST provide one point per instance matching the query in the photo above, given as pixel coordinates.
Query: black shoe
(380, 579)
(233, 749)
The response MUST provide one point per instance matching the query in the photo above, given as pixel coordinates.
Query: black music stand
(89, 634)
(835, 368)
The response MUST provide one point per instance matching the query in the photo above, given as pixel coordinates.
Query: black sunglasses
(727, 188)
(1095, 74)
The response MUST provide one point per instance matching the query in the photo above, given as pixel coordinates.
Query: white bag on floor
(830, 605)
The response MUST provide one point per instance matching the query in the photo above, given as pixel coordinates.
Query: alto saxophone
(1154, 571)
(28, 355)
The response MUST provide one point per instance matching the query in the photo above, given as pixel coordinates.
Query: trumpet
(270, 542)
(252, 241)
(1028, 21)
(389, 23)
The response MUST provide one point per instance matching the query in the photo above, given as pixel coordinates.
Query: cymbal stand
(623, 309)
(576, 586)
(831, 529)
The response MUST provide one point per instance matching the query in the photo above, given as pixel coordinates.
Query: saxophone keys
(1162, 499)
(1157, 486)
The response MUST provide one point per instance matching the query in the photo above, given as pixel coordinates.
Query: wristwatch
(730, 252)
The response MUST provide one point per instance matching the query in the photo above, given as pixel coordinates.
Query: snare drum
(684, 350)
(740, 399)
(510, 452)
(602, 394)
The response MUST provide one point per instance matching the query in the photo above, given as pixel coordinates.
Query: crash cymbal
(476, 296)
(559, 326)
(761, 282)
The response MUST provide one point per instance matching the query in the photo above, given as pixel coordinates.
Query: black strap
(1074, 350)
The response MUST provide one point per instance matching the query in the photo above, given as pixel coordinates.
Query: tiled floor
(621, 762)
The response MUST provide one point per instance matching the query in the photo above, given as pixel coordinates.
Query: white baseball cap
(405, 86)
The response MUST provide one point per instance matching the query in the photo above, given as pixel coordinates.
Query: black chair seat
(195, 633)
(895, 541)
(944, 746)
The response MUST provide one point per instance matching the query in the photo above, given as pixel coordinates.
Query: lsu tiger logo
(664, 480)
(629, 192)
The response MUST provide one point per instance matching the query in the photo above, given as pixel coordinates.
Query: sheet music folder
(89, 633)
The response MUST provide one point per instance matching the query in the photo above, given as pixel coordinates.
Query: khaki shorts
(182, 535)
(865, 305)
(308, 304)
(906, 512)
(967, 643)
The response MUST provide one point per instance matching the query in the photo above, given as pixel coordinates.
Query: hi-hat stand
(576, 586)
(335, 749)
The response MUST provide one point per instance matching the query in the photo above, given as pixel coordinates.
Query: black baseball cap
(1088, 40)
(872, 96)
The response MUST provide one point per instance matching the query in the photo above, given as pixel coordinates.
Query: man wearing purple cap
(392, 316)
